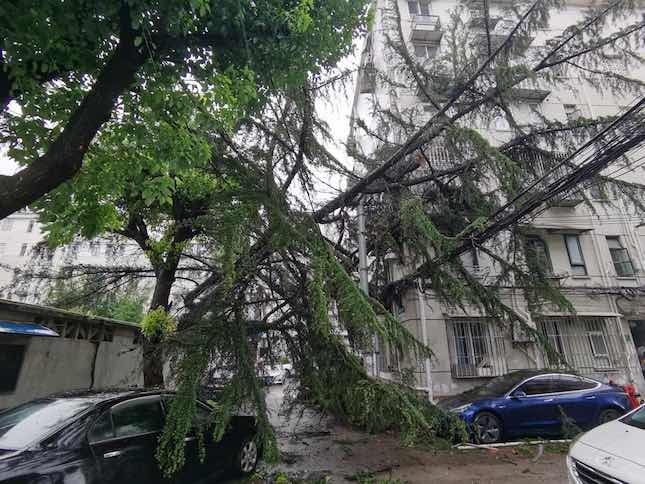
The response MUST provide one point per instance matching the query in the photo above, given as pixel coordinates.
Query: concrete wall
(515, 356)
(53, 365)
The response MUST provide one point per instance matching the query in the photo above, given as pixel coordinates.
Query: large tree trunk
(153, 358)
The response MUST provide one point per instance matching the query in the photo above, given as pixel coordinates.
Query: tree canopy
(112, 107)
(67, 65)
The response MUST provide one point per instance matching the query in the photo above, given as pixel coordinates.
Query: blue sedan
(530, 403)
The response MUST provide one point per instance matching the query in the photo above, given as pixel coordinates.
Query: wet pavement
(314, 448)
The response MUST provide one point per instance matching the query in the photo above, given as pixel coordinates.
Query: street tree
(86, 295)
(301, 252)
(155, 175)
(105, 107)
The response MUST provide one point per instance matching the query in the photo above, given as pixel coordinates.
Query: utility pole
(363, 276)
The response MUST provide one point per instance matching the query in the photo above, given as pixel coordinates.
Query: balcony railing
(426, 28)
(589, 345)
(548, 169)
(477, 348)
(529, 92)
(437, 157)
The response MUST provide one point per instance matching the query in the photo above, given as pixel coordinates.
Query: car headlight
(460, 408)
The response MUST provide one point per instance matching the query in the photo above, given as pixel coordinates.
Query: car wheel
(608, 415)
(488, 428)
(247, 457)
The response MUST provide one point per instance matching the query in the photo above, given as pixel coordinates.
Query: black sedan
(111, 438)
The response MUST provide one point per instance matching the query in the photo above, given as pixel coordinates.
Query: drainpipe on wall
(424, 334)
(363, 275)
(629, 348)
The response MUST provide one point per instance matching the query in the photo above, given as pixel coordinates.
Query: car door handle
(115, 453)
(189, 439)
(592, 397)
(548, 400)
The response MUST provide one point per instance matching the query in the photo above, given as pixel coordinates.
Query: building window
(572, 111)
(109, 250)
(620, 257)
(576, 259)
(419, 8)
(425, 51)
(598, 343)
(11, 357)
(6, 225)
(95, 248)
(30, 226)
(476, 349)
(537, 255)
(585, 344)
(23, 249)
(3, 248)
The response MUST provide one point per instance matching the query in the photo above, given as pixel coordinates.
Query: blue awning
(31, 329)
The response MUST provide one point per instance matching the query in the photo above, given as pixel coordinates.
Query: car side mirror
(518, 394)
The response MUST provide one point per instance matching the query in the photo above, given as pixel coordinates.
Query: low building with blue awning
(46, 350)
(29, 329)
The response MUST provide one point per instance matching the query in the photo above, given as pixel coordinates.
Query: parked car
(105, 438)
(611, 453)
(529, 403)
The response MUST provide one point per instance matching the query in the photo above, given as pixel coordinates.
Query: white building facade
(595, 251)
(22, 248)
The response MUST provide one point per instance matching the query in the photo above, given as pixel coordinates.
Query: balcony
(568, 200)
(530, 92)
(440, 86)
(548, 168)
(426, 28)
(498, 29)
(438, 156)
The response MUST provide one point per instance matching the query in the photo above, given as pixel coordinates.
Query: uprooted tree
(303, 254)
(272, 243)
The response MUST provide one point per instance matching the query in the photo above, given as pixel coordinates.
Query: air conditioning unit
(520, 335)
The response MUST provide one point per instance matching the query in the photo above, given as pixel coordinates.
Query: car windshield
(32, 421)
(502, 384)
(636, 419)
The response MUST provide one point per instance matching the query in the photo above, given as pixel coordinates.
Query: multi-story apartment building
(22, 248)
(595, 251)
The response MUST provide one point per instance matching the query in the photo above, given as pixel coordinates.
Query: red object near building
(634, 397)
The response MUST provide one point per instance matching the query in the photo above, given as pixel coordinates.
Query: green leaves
(158, 324)
(299, 18)
(158, 190)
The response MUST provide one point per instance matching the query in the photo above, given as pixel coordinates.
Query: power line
(627, 132)
(580, 189)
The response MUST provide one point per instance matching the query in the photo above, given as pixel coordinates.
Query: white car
(613, 453)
